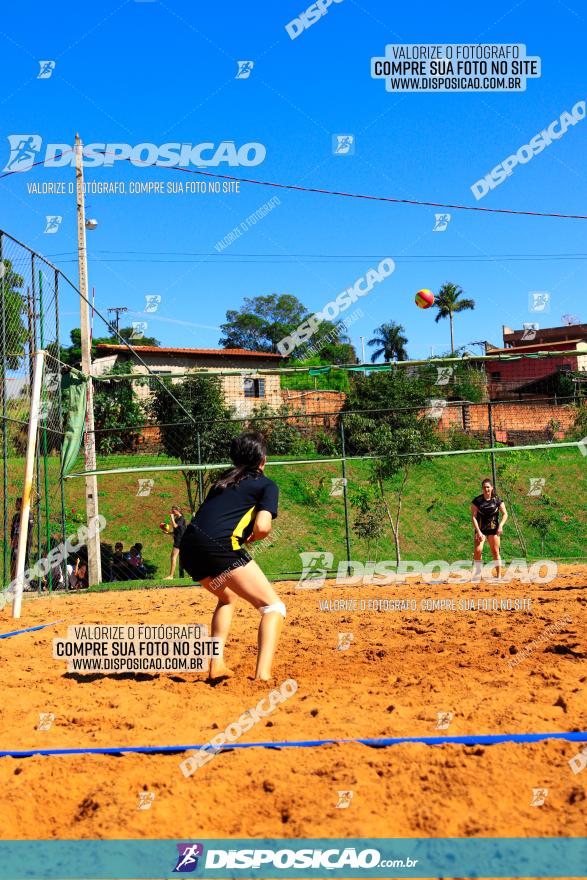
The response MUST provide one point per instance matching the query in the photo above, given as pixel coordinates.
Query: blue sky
(161, 72)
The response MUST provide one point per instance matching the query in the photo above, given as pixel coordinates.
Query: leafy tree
(12, 302)
(391, 343)
(117, 413)
(448, 303)
(262, 322)
(207, 417)
(72, 354)
(399, 450)
(397, 432)
(578, 430)
(396, 398)
(281, 431)
(368, 523)
(465, 380)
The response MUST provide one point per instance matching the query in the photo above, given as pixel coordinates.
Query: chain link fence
(160, 429)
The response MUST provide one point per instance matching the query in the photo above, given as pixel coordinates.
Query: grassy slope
(435, 523)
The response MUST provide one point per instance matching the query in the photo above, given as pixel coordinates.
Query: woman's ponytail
(247, 451)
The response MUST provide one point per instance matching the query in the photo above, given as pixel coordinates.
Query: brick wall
(314, 404)
(512, 423)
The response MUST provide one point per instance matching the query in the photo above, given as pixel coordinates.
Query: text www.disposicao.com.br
(136, 664)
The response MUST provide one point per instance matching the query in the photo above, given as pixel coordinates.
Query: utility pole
(362, 338)
(117, 311)
(93, 541)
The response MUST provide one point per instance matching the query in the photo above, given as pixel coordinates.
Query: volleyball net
(345, 459)
(347, 443)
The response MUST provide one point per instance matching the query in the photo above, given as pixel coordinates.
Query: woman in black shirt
(238, 509)
(178, 527)
(485, 511)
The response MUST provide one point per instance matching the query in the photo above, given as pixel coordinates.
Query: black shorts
(489, 531)
(203, 557)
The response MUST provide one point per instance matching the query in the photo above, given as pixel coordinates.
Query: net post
(345, 497)
(200, 475)
(38, 502)
(91, 483)
(491, 443)
(45, 462)
(60, 412)
(25, 509)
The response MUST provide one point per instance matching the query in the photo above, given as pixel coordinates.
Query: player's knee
(278, 606)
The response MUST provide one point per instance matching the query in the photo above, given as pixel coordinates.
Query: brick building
(536, 377)
(244, 390)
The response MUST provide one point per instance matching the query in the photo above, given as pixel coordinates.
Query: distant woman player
(238, 509)
(485, 511)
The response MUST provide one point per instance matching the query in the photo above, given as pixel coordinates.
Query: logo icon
(539, 795)
(443, 375)
(145, 487)
(569, 320)
(344, 641)
(146, 799)
(53, 223)
(138, 329)
(579, 761)
(46, 719)
(47, 68)
(343, 144)
(244, 69)
(436, 407)
(539, 301)
(536, 486)
(315, 567)
(529, 334)
(441, 222)
(23, 151)
(187, 860)
(443, 720)
(52, 380)
(152, 302)
(344, 800)
(338, 486)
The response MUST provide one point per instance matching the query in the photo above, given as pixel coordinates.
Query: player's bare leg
(478, 557)
(221, 621)
(249, 582)
(494, 543)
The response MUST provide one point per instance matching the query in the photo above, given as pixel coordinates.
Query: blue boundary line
(30, 629)
(380, 742)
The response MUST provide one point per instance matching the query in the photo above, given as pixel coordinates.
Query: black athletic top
(488, 516)
(227, 515)
(179, 529)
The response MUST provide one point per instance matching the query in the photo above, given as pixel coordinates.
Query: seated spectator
(78, 575)
(135, 561)
(119, 568)
(56, 581)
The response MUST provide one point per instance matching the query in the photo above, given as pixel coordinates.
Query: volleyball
(424, 299)
(164, 526)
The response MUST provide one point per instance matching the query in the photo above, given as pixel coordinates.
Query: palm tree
(448, 304)
(391, 341)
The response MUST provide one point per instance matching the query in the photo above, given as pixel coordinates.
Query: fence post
(60, 412)
(23, 525)
(38, 506)
(6, 543)
(200, 474)
(345, 498)
(492, 443)
(44, 413)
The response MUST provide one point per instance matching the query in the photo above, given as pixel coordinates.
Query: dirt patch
(401, 670)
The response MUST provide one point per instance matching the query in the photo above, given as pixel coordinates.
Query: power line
(325, 258)
(364, 196)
